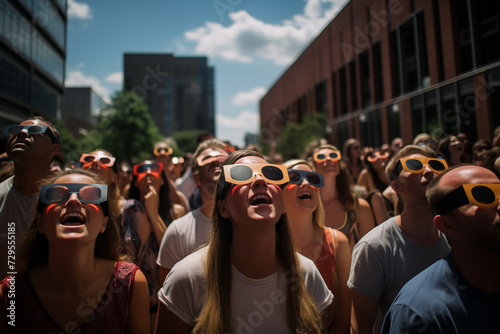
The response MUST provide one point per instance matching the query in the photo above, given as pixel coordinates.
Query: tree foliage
(186, 141)
(126, 128)
(295, 137)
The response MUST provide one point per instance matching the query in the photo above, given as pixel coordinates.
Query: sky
(250, 43)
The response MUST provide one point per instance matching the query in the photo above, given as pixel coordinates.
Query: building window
(448, 110)
(377, 73)
(343, 91)
(364, 71)
(394, 121)
(467, 108)
(354, 88)
(494, 97)
(321, 98)
(411, 53)
(371, 128)
(417, 115)
(342, 132)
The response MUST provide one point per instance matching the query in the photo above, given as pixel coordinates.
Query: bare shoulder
(179, 211)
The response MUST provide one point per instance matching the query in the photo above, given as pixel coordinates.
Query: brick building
(388, 68)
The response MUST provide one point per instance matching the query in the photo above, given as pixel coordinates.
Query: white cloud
(76, 78)
(79, 10)
(248, 38)
(115, 78)
(252, 96)
(235, 128)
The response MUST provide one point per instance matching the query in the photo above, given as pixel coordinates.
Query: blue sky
(250, 44)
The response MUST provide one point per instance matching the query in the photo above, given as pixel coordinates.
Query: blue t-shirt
(440, 300)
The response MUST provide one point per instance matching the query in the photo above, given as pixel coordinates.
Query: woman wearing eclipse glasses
(344, 211)
(256, 282)
(327, 247)
(70, 269)
(146, 215)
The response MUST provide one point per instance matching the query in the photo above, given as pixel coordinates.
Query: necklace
(73, 298)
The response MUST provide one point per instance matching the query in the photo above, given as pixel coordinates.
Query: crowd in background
(328, 205)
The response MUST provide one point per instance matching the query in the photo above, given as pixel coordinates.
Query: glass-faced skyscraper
(179, 91)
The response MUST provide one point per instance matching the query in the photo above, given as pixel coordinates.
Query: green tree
(295, 137)
(126, 128)
(186, 141)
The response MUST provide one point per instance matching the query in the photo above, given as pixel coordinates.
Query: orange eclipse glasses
(104, 160)
(154, 168)
(163, 151)
(322, 157)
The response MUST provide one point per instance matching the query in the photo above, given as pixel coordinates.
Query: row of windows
(32, 3)
(25, 40)
(18, 84)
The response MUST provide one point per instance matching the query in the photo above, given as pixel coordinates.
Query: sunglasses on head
(244, 174)
(163, 151)
(105, 161)
(482, 195)
(321, 157)
(417, 165)
(60, 193)
(141, 170)
(211, 156)
(376, 156)
(31, 130)
(298, 176)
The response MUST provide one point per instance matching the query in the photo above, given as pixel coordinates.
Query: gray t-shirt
(183, 236)
(257, 305)
(385, 259)
(16, 214)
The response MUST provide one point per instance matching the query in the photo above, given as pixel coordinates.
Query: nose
(427, 171)
(305, 182)
(73, 200)
(95, 164)
(23, 133)
(259, 181)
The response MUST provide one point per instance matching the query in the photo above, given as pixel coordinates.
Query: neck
(253, 251)
(329, 191)
(301, 228)
(417, 223)
(27, 176)
(72, 269)
(207, 203)
(479, 266)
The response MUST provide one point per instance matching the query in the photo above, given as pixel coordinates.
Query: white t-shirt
(257, 305)
(16, 215)
(183, 236)
(385, 259)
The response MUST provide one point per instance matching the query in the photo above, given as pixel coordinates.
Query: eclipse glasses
(417, 165)
(482, 195)
(31, 130)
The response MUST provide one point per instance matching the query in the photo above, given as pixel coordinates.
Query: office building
(179, 91)
(391, 68)
(32, 60)
(82, 105)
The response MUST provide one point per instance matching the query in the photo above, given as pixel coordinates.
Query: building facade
(81, 107)
(396, 68)
(32, 60)
(179, 91)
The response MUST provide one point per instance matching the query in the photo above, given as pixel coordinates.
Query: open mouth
(73, 219)
(305, 196)
(260, 199)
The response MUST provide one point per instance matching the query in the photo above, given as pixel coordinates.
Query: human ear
(444, 224)
(196, 178)
(39, 225)
(223, 211)
(104, 224)
(396, 185)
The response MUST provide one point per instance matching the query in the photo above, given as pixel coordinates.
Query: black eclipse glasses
(298, 176)
(12, 130)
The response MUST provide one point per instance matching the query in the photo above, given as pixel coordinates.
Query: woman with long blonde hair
(327, 247)
(248, 278)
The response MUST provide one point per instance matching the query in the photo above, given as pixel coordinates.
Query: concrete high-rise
(32, 60)
(179, 91)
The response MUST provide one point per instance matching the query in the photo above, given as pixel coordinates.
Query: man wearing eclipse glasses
(398, 249)
(188, 233)
(32, 146)
(460, 293)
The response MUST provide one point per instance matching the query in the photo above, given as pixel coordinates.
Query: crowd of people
(391, 239)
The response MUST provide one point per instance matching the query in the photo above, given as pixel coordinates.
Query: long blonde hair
(215, 317)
